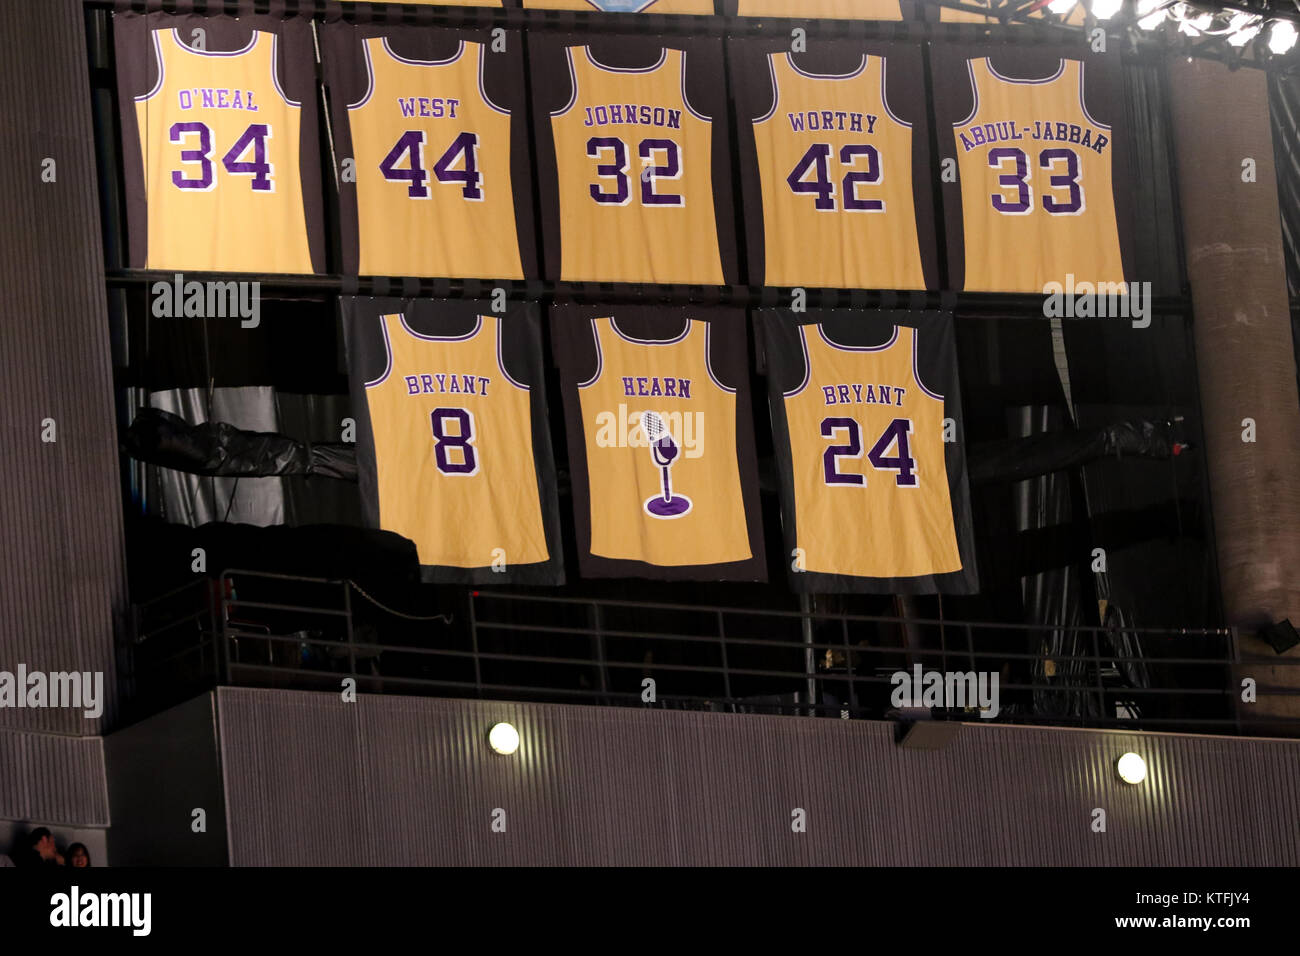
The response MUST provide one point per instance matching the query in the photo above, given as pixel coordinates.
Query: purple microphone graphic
(664, 452)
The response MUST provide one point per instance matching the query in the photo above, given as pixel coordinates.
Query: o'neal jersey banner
(835, 162)
(1044, 189)
(661, 443)
(633, 164)
(221, 159)
(434, 121)
(866, 421)
(830, 9)
(453, 447)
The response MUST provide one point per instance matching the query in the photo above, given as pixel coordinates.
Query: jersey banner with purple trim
(829, 9)
(220, 149)
(835, 162)
(453, 446)
(659, 425)
(866, 421)
(1043, 197)
(633, 160)
(623, 6)
(432, 125)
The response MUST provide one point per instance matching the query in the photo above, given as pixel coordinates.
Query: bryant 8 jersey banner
(223, 153)
(1037, 178)
(628, 162)
(660, 442)
(453, 447)
(869, 482)
(433, 123)
(829, 167)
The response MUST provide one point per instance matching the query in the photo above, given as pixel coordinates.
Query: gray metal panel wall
(52, 778)
(61, 552)
(391, 780)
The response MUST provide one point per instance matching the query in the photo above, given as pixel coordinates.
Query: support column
(1233, 236)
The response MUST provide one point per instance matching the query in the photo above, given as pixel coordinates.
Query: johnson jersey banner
(453, 447)
(1044, 189)
(866, 420)
(829, 9)
(432, 124)
(835, 163)
(661, 446)
(633, 162)
(219, 141)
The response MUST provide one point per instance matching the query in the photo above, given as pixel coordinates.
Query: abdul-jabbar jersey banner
(220, 151)
(661, 447)
(1043, 192)
(431, 137)
(866, 421)
(633, 161)
(453, 447)
(835, 163)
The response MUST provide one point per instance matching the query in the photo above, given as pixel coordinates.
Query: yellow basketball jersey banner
(660, 442)
(834, 176)
(873, 474)
(1036, 198)
(454, 452)
(831, 9)
(1075, 16)
(623, 6)
(435, 155)
(628, 158)
(220, 143)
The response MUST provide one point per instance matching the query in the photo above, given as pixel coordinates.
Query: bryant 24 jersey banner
(219, 143)
(453, 448)
(434, 123)
(661, 443)
(1043, 192)
(866, 421)
(634, 171)
(835, 161)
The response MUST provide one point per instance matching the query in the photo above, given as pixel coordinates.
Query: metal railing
(262, 629)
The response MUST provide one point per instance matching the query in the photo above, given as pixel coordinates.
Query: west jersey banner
(661, 445)
(835, 164)
(1044, 189)
(433, 124)
(633, 163)
(220, 153)
(453, 447)
(866, 420)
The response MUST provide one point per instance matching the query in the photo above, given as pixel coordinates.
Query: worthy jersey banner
(220, 150)
(430, 131)
(835, 164)
(453, 447)
(1044, 189)
(866, 420)
(633, 162)
(661, 445)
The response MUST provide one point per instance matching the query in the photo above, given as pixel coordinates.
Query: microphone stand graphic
(664, 452)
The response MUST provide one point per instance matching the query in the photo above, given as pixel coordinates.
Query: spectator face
(79, 858)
